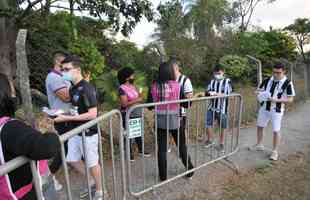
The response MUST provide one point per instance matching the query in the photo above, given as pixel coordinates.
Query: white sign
(135, 128)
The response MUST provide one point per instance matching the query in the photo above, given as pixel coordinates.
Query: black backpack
(182, 92)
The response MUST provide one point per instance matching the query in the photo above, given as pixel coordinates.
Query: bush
(92, 58)
(236, 67)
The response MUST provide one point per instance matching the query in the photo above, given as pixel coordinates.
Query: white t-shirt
(188, 88)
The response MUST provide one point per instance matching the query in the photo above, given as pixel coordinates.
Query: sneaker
(274, 156)
(209, 143)
(57, 185)
(132, 158)
(257, 147)
(146, 154)
(190, 175)
(98, 195)
(221, 149)
(84, 192)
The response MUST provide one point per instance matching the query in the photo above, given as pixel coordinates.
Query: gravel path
(208, 181)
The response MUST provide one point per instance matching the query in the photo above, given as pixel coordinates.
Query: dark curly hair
(124, 74)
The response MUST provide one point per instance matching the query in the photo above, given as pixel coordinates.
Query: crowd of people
(68, 89)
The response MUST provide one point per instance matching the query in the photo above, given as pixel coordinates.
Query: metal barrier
(139, 177)
(18, 162)
(114, 190)
(143, 175)
(108, 118)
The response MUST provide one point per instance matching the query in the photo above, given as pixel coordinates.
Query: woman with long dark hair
(19, 139)
(166, 88)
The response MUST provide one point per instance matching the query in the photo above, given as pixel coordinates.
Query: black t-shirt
(84, 96)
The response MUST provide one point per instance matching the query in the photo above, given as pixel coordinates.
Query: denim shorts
(219, 117)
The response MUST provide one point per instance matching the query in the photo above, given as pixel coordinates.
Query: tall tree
(301, 30)
(120, 14)
(170, 24)
(244, 10)
(208, 16)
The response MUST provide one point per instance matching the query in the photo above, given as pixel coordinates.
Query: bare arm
(63, 94)
(90, 115)
(125, 103)
(283, 100)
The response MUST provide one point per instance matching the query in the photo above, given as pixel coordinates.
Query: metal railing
(143, 176)
(18, 162)
(108, 118)
(133, 179)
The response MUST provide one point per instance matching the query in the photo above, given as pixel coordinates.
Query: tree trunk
(23, 76)
(7, 42)
(73, 25)
(5, 64)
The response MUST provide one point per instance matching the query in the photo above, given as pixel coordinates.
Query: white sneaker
(257, 147)
(209, 143)
(57, 185)
(98, 195)
(274, 156)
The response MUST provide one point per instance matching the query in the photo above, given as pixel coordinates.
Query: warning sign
(135, 128)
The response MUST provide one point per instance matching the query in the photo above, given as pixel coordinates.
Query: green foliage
(54, 33)
(236, 67)
(92, 59)
(123, 54)
(301, 30)
(266, 45)
(252, 43)
(121, 15)
(204, 15)
(108, 82)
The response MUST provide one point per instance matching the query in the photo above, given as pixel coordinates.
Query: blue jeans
(219, 117)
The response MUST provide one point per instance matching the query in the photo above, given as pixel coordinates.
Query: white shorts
(265, 116)
(75, 150)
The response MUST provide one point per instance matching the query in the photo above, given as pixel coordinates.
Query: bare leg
(79, 166)
(276, 140)
(260, 133)
(209, 134)
(96, 174)
(222, 137)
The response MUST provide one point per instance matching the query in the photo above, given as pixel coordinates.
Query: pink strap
(23, 191)
(4, 120)
(43, 167)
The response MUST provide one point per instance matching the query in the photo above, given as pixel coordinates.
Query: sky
(278, 15)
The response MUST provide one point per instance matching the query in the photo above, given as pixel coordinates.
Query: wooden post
(23, 73)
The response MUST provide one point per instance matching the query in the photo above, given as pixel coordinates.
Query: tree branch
(65, 8)
(27, 10)
(251, 13)
(249, 7)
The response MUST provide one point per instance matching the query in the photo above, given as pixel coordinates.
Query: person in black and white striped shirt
(218, 108)
(273, 94)
(186, 92)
